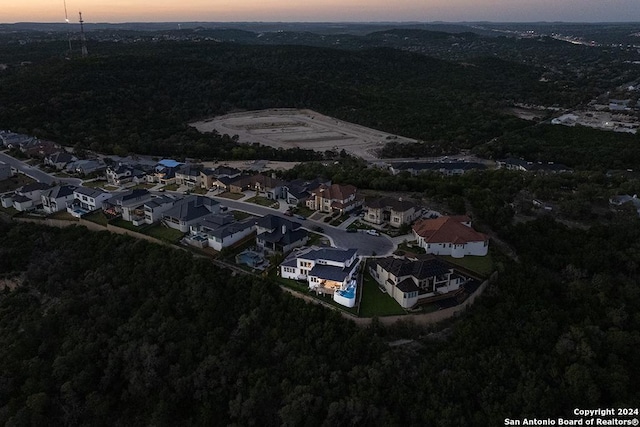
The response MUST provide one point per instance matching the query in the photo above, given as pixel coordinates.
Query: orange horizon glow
(116, 11)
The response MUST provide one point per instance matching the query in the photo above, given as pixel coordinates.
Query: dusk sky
(322, 10)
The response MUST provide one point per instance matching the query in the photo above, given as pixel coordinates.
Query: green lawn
(316, 239)
(94, 184)
(303, 210)
(240, 215)
(198, 190)
(165, 233)
(263, 201)
(336, 222)
(119, 222)
(170, 187)
(142, 186)
(482, 265)
(377, 303)
(230, 195)
(403, 247)
(97, 217)
(9, 211)
(63, 215)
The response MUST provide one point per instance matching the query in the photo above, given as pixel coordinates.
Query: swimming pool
(250, 258)
(347, 296)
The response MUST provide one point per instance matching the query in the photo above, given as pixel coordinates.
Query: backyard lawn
(377, 303)
(162, 232)
(482, 265)
(15, 182)
(97, 217)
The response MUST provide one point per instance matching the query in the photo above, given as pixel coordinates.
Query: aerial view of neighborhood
(319, 223)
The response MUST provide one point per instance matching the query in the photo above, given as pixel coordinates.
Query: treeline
(579, 147)
(105, 330)
(139, 97)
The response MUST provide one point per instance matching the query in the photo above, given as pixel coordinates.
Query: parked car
(223, 208)
(352, 230)
(300, 217)
(373, 232)
(288, 213)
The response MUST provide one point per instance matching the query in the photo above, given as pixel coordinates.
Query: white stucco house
(87, 200)
(327, 271)
(450, 235)
(57, 198)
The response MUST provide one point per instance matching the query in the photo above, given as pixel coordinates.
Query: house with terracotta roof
(411, 280)
(335, 197)
(450, 235)
(387, 210)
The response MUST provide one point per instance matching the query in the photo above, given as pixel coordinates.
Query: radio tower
(82, 37)
(66, 19)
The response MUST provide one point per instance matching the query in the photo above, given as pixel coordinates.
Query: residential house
(164, 172)
(411, 280)
(277, 234)
(39, 148)
(335, 197)
(6, 171)
(450, 235)
(299, 190)
(85, 167)
(525, 166)
(208, 177)
(265, 186)
(13, 140)
(188, 211)
(189, 176)
(57, 198)
(156, 207)
(87, 200)
(24, 198)
(387, 210)
(122, 173)
(444, 168)
(327, 271)
(623, 199)
(59, 160)
(129, 205)
(220, 231)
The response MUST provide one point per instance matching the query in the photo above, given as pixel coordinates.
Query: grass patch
(303, 210)
(63, 215)
(377, 303)
(94, 184)
(142, 186)
(165, 233)
(119, 222)
(481, 265)
(336, 222)
(171, 187)
(9, 211)
(405, 248)
(359, 225)
(97, 217)
(15, 182)
(240, 215)
(263, 201)
(230, 195)
(316, 239)
(198, 190)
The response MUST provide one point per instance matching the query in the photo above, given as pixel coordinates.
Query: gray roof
(234, 227)
(191, 208)
(61, 157)
(59, 191)
(290, 236)
(407, 285)
(19, 198)
(329, 254)
(33, 187)
(159, 201)
(90, 192)
(271, 222)
(330, 272)
(420, 269)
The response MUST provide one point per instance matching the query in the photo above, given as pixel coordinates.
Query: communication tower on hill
(82, 37)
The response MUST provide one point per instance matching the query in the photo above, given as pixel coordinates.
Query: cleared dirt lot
(289, 128)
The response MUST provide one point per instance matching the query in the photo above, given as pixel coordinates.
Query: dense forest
(106, 330)
(139, 98)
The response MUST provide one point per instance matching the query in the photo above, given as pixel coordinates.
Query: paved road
(36, 173)
(364, 243)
